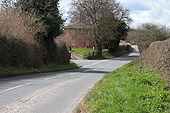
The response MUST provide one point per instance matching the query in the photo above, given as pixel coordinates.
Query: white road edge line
(15, 87)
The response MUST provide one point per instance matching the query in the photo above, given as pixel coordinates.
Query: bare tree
(147, 33)
(101, 16)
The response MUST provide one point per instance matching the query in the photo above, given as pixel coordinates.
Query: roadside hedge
(13, 52)
(16, 53)
(63, 53)
(23, 42)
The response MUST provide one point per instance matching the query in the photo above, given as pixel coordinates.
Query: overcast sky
(142, 11)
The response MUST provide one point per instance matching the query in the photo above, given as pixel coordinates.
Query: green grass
(130, 89)
(82, 51)
(85, 53)
(122, 51)
(106, 54)
(11, 70)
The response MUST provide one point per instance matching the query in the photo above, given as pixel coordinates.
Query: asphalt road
(56, 92)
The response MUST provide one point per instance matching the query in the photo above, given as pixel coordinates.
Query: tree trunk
(98, 45)
(116, 45)
(113, 45)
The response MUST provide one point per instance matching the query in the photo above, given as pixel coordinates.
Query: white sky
(142, 11)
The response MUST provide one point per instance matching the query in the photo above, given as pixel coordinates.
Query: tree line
(145, 34)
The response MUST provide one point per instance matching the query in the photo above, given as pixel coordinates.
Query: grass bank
(11, 71)
(130, 89)
(86, 53)
(82, 51)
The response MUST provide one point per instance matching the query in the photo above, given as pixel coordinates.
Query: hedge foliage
(13, 52)
(63, 53)
(158, 56)
(19, 41)
(16, 53)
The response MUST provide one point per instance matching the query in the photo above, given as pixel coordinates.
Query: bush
(63, 53)
(90, 55)
(34, 56)
(13, 52)
(146, 34)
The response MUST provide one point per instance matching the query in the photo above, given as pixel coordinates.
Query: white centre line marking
(94, 63)
(15, 87)
(58, 76)
(52, 78)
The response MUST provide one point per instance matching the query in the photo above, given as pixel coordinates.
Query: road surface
(55, 92)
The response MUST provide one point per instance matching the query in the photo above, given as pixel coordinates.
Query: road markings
(31, 101)
(57, 76)
(94, 63)
(14, 88)
(52, 78)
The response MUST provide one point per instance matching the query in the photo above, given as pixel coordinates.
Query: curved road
(56, 92)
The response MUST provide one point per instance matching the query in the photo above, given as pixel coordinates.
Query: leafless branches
(103, 16)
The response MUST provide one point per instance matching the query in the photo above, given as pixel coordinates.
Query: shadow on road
(90, 70)
(128, 57)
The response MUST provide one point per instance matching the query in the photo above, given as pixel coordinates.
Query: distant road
(56, 92)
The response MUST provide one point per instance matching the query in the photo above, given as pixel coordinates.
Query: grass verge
(130, 89)
(82, 51)
(87, 53)
(11, 71)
